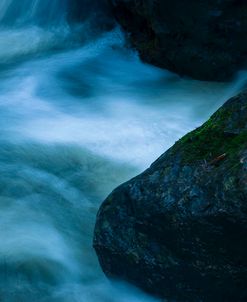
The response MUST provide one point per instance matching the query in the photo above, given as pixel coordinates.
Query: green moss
(212, 140)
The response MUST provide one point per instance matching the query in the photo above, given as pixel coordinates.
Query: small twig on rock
(218, 159)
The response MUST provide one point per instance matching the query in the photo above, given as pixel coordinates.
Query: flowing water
(80, 114)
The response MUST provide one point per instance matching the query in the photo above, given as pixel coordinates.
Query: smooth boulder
(179, 230)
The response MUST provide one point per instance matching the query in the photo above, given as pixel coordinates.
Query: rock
(179, 230)
(205, 40)
(97, 11)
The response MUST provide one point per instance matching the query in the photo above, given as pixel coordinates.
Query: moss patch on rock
(213, 139)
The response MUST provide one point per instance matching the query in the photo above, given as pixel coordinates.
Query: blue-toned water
(79, 114)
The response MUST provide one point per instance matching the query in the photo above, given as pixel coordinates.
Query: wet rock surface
(205, 40)
(179, 229)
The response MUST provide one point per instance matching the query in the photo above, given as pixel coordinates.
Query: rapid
(79, 115)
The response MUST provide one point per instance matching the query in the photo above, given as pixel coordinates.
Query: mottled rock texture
(203, 39)
(179, 230)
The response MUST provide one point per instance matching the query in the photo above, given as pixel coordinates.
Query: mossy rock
(179, 229)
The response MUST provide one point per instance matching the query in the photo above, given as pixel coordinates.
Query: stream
(80, 114)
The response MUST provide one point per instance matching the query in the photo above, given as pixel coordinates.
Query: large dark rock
(202, 39)
(179, 230)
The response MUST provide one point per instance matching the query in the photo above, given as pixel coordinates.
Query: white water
(80, 114)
